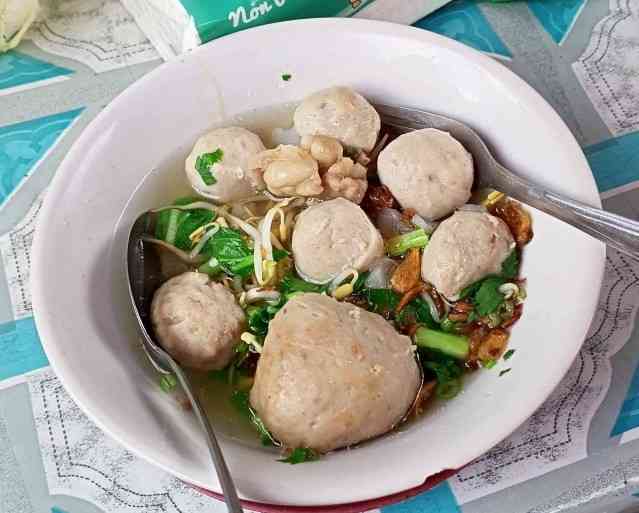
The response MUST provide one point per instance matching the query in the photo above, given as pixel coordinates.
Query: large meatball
(341, 113)
(197, 321)
(465, 248)
(331, 237)
(232, 180)
(332, 374)
(427, 170)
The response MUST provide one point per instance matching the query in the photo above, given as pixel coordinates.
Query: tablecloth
(579, 452)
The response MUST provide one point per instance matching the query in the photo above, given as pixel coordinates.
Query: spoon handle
(614, 230)
(228, 487)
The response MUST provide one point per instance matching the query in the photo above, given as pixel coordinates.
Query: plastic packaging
(175, 26)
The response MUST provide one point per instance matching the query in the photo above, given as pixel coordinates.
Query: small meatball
(289, 171)
(325, 150)
(197, 321)
(341, 113)
(465, 248)
(332, 374)
(333, 236)
(346, 179)
(233, 178)
(428, 171)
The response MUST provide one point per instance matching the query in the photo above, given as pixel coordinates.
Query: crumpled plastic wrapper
(176, 26)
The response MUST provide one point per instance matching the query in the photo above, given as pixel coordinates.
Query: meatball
(322, 148)
(288, 171)
(233, 178)
(465, 248)
(427, 170)
(341, 113)
(346, 179)
(197, 321)
(332, 374)
(331, 237)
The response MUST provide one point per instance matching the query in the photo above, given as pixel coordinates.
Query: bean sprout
(251, 231)
(202, 242)
(183, 255)
(471, 207)
(509, 290)
(251, 340)
(341, 277)
(260, 294)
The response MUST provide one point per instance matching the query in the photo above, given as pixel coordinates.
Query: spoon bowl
(147, 269)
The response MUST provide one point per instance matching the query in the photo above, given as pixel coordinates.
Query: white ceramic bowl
(79, 293)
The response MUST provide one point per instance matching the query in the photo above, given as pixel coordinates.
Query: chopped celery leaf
(488, 298)
(448, 375)
(292, 283)
(510, 266)
(301, 455)
(203, 164)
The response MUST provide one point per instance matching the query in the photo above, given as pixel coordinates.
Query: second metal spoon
(616, 231)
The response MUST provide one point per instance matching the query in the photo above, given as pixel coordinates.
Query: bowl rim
(364, 26)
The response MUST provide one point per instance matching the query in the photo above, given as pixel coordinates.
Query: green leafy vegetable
(505, 371)
(168, 382)
(510, 266)
(291, 284)
(402, 243)
(448, 375)
(260, 316)
(358, 286)
(203, 164)
(190, 221)
(509, 354)
(470, 290)
(448, 326)
(488, 364)
(175, 226)
(456, 346)
(416, 312)
(231, 252)
(488, 298)
(286, 77)
(382, 301)
(301, 455)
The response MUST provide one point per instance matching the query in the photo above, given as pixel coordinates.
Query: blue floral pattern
(18, 69)
(557, 17)
(22, 145)
(462, 20)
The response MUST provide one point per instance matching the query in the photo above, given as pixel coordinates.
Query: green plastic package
(175, 26)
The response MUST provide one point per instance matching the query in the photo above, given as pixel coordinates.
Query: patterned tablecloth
(579, 452)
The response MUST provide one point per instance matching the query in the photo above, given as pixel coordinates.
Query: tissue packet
(175, 26)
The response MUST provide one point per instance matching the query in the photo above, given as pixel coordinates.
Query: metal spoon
(616, 231)
(145, 273)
